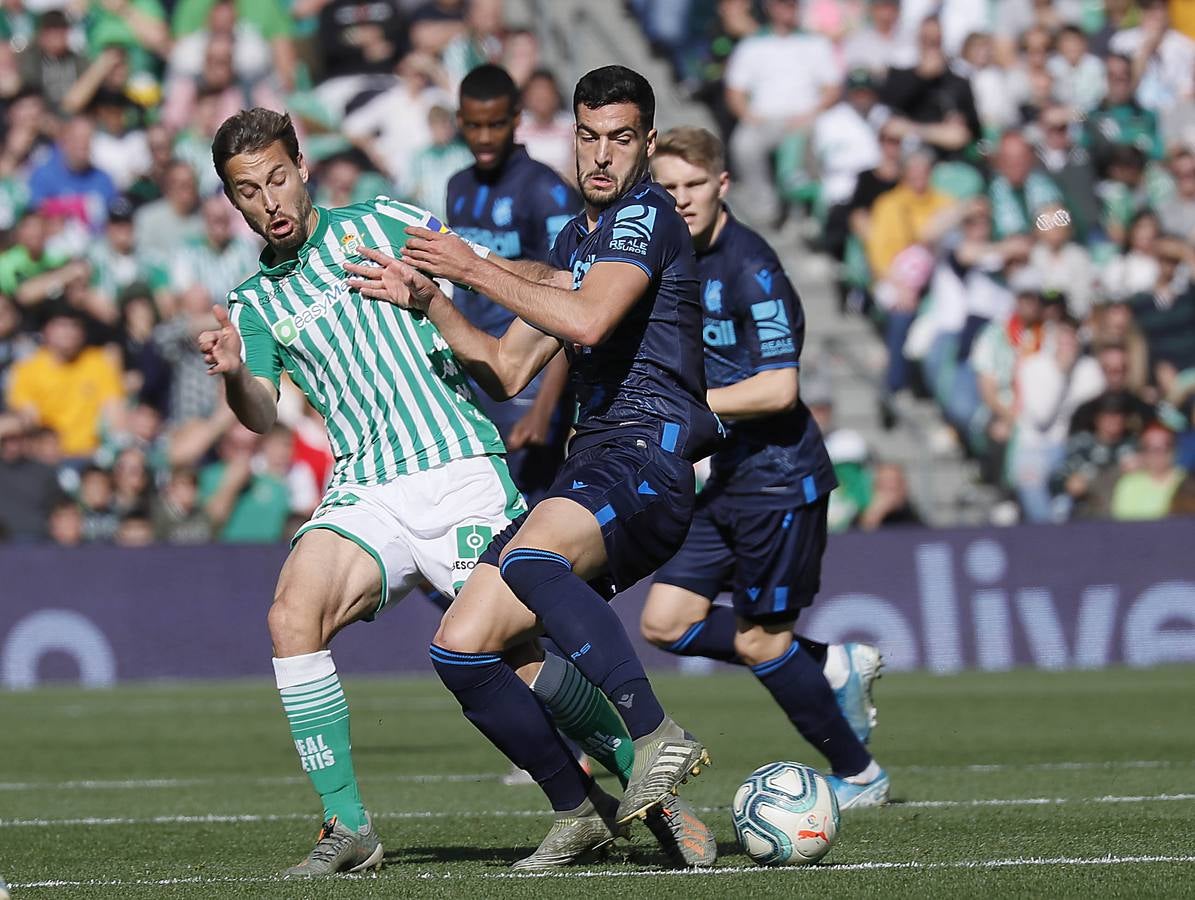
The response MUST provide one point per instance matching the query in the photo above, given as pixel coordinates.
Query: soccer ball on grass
(785, 814)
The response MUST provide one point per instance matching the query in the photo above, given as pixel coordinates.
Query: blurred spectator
(68, 185)
(147, 374)
(24, 146)
(481, 41)
(118, 148)
(936, 104)
(1049, 386)
(217, 81)
(1147, 492)
(1163, 59)
(164, 225)
(520, 55)
(995, 102)
(49, 66)
(854, 216)
(890, 504)
(1070, 168)
(29, 488)
(361, 43)
(1029, 77)
(219, 260)
(1165, 311)
(437, 23)
(1177, 210)
(114, 261)
(1136, 268)
(177, 515)
(65, 525)
(130, 481)
(151, 185)
(881, 45)
(193, 392)
(845, 141)
(1114, 362)
(998, 350)
(1112, 324)
(251, 53)
(546, 127)
(848, 452)
(100, 517)
(135, 530)
(773, 102)
(30, 272)
(1120, 119)
(343, 180)
(1095, 459)
(244, 506)
(1117, 14)
(393, 126)
(1078, 75)
(66, 385)
(14, 342)
(1061, 265)
(734, 21)
(1018, 191)
(436, 163)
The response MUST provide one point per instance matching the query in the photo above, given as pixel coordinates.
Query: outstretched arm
(586, 316)
(502, 366)
(252, 398)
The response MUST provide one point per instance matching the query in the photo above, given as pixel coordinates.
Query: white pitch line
(828, 868)
(95, 784)
(215, 818)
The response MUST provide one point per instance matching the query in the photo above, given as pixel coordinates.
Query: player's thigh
(778, 560)
(566, 527)
(485, 617)
(670, 611)
(326, 582)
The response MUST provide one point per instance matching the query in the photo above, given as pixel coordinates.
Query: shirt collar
(636, 193)
(272, 269)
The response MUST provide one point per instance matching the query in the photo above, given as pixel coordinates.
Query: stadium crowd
(1009, 188)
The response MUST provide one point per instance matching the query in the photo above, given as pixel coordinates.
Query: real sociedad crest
(713, 295)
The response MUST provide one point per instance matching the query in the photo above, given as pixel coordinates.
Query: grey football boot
(684, 838)
(576, 833)
(664, 760)
(340, 849)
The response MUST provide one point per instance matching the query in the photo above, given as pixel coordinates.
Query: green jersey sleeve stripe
(259, 350)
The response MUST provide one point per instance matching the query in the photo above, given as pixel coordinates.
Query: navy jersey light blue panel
(752, 322)
(649, 373)
(517, 212)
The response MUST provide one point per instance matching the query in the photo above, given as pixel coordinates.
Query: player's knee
(661, 628)
(757, 644)
(294, 628)
(458, 634)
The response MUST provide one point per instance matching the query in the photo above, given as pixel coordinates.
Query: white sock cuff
(837, 667)
(291, 671)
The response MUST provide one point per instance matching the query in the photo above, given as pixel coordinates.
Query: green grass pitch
(1022, 784)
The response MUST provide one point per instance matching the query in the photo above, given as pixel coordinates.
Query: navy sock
(712, 637)
(502, 708)
(795, 681)
(583, 625)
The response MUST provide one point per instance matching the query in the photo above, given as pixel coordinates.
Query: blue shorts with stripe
(770, 559)
(641, 495)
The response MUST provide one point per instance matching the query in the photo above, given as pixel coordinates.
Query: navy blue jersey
(649, 372)
(516, 211)
(754, 322)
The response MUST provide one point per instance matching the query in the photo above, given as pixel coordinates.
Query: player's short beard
(298, 235)
(615, 193)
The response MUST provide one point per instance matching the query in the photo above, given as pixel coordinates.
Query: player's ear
(723, 184)
(651, 142)
(304, 174)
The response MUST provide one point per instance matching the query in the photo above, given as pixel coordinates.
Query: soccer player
(620, 295)
(760, 525)
(419, 484)
(515, 206)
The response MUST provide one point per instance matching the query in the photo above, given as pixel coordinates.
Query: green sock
(582, 713)
(319, 723)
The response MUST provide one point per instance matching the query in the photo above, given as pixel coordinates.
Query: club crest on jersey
(349, 244)
(286, 330)
(713, 295)
(633, 226)
(502, 211)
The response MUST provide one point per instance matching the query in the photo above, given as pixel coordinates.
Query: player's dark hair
(251, 130)
(616, 84)
(490, 82)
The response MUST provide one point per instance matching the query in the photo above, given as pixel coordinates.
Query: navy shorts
(642, 497)
(770, 559)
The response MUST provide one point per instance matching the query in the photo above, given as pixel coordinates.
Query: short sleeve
(259, 349)
(637, 235)
(770, 317)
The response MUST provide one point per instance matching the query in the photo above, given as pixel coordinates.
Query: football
(785, 814)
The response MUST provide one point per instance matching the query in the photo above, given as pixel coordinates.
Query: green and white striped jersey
(394, 397)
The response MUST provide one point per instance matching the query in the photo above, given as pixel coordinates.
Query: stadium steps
(579, 35)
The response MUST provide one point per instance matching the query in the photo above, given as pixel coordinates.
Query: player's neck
(703, 242)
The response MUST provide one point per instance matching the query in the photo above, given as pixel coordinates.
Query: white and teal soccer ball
(785, 814)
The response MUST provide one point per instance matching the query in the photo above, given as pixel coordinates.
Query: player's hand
(221, 348)
(530, 431)
(391, 280)
(443, 255)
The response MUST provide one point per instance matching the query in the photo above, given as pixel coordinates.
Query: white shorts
(427, 526)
